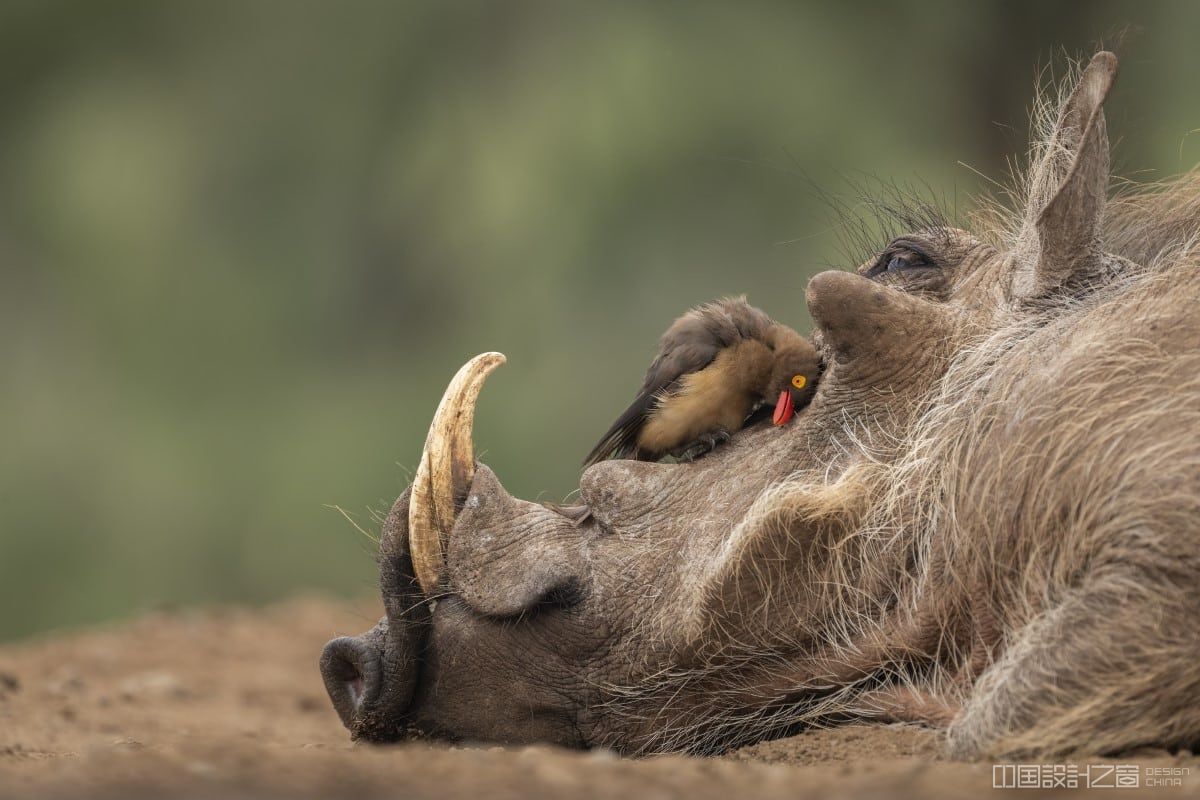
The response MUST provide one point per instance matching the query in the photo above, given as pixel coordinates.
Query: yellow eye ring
(799, 381)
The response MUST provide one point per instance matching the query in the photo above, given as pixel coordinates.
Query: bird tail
(621, 439)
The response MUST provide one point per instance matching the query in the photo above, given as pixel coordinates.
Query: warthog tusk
(446, 470)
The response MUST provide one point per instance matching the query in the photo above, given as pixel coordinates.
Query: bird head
(793, 376)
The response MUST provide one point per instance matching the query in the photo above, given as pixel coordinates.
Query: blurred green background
(244, 245)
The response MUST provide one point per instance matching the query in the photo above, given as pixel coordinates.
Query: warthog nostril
(352, 671)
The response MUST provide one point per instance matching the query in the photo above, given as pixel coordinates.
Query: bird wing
(662, 381)
(689, 345)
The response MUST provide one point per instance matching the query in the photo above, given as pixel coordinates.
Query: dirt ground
(228, 703)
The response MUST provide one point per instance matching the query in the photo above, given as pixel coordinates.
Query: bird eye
(799, 381)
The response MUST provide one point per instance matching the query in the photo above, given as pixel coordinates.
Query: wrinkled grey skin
(538, 619)
(691, 611)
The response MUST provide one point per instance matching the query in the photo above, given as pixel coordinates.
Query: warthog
(987, 520)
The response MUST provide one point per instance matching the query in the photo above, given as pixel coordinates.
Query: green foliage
(243, 246)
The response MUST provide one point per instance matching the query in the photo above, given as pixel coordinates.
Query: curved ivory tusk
(446, 470)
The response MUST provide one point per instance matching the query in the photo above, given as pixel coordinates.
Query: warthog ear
(1069, 187)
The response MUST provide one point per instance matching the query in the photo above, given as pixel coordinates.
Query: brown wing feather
(689, 345)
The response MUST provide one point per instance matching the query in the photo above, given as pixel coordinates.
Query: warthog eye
(899, 257)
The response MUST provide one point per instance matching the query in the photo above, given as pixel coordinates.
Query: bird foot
(706, 443)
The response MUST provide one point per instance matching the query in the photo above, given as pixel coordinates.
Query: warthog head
(998, 474)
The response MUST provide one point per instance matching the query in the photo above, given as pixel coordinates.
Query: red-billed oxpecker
(717, 365)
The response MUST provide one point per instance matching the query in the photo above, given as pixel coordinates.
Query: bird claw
(705, 444)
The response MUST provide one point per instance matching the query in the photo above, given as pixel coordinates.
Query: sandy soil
(228, 703)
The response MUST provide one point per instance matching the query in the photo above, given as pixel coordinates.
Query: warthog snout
(352, 668)
(371, 678)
